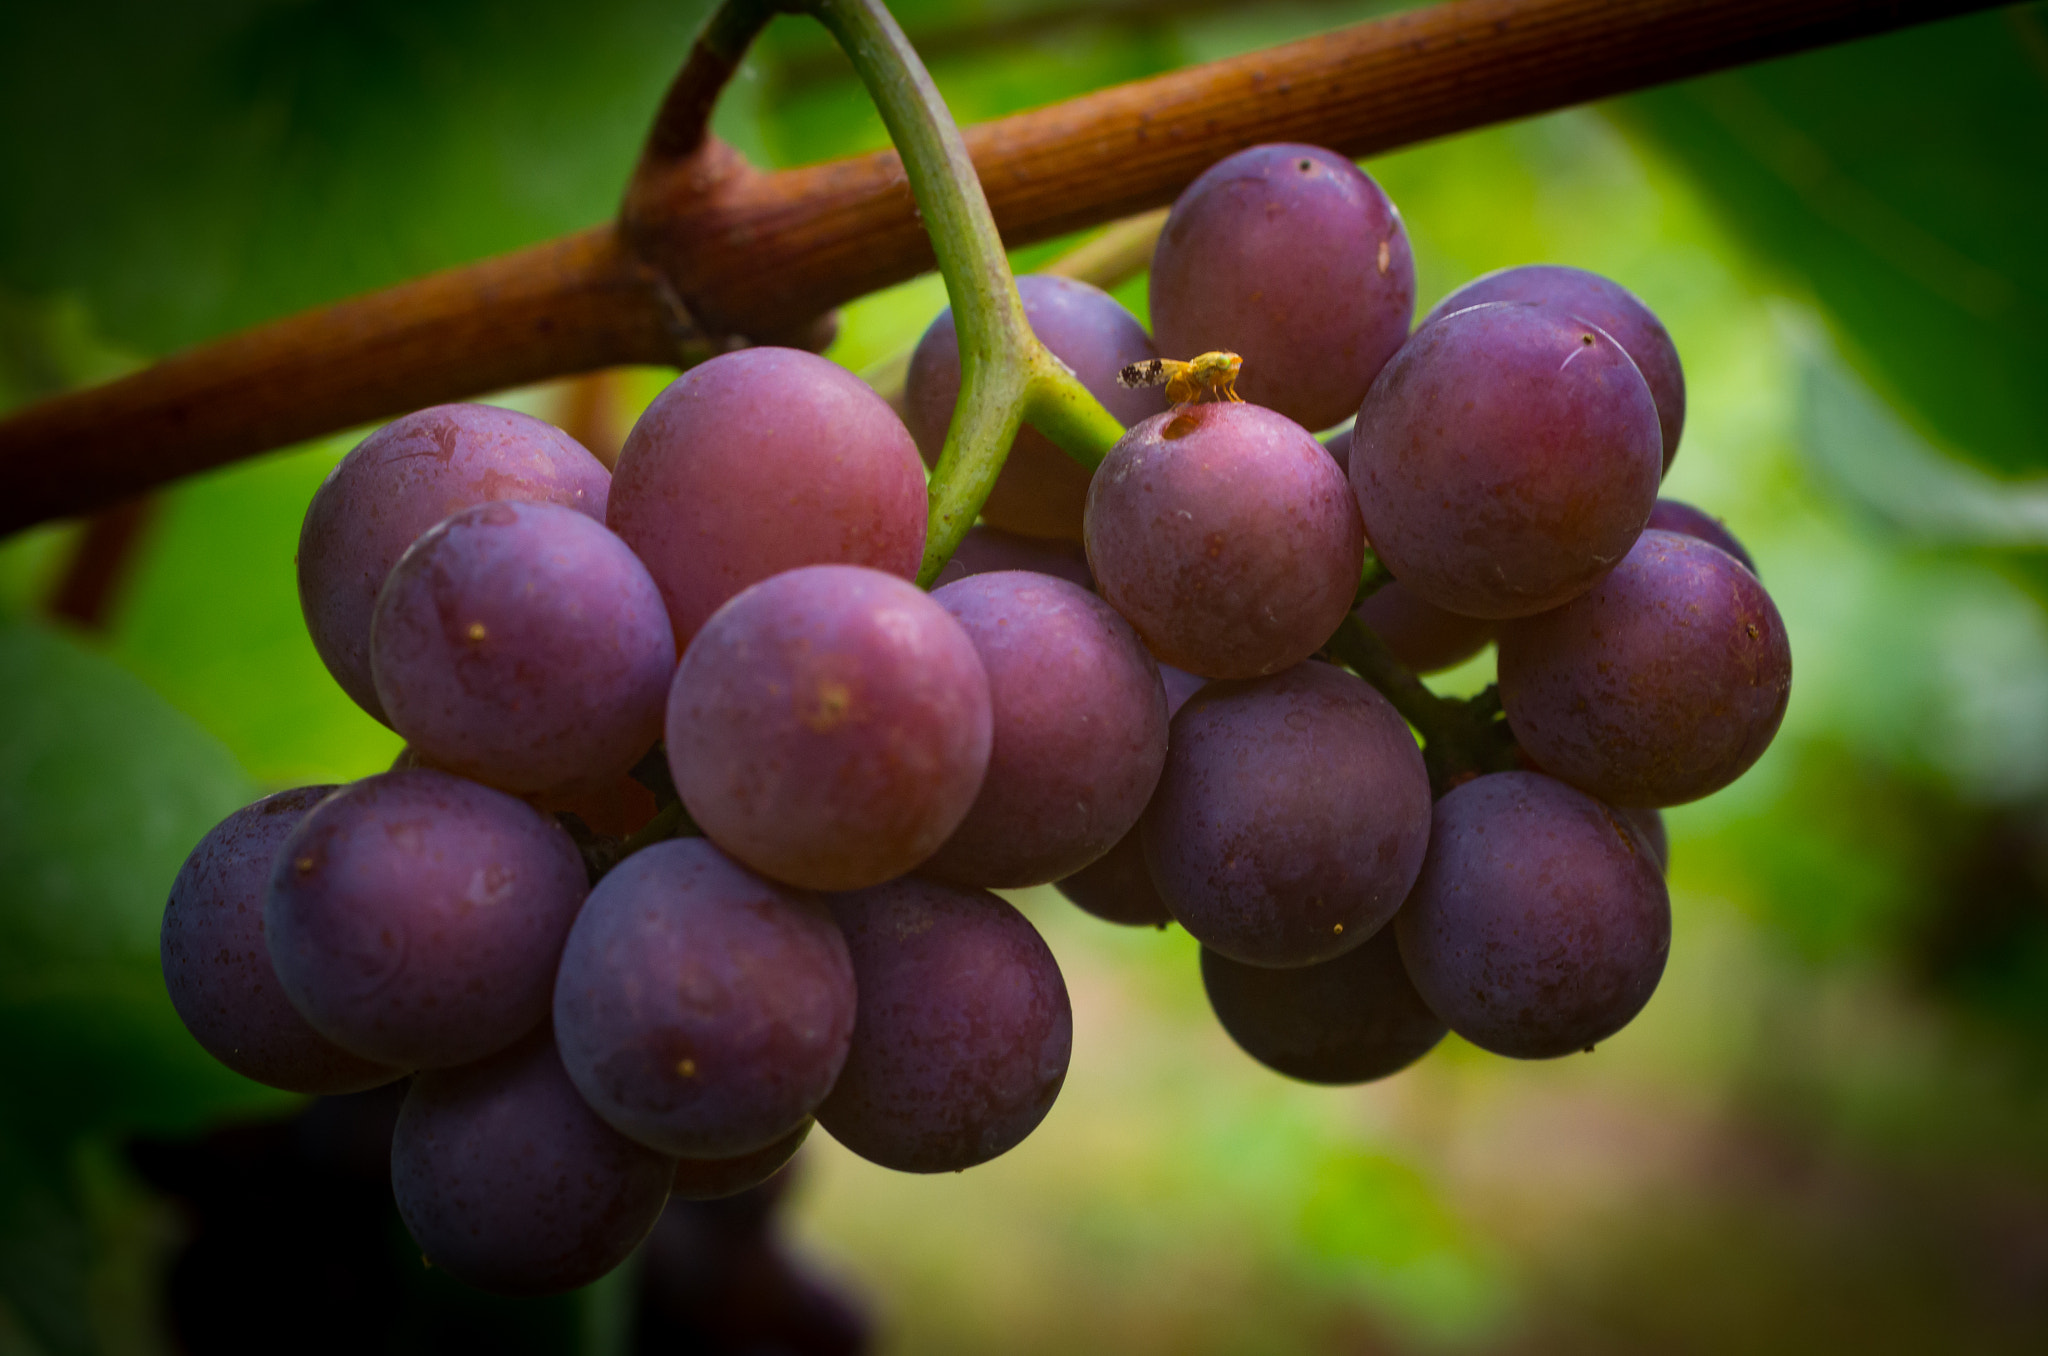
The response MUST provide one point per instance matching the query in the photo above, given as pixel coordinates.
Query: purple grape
(218, 969)
(1117, 887)
(416, 918)
(964, 1029)
(509, 1183)
(400, 481)
(1041, 491)
(1675, 515)
(1505, 459)
(1292, 257)
(1225, 535)
(1597, 301)
(1338, 445)
(1661, 685)
(700, 1009)
(1348, 1020)
(761, 461)
(1423, 637)
(1079, 730)
(1539, 924)
(1291, 819)
(714, 1179)
(524, 646)
(1650, 823)
(830, 727)
(984, 550)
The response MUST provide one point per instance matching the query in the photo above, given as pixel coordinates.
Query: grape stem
(1372, 577)
(1460, 739)
(1006, 376)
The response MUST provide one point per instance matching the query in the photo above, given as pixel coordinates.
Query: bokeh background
(1829, 1129)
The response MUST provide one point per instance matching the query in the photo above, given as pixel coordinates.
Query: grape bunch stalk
(714, 761)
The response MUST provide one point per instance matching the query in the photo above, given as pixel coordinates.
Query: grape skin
(1539, 924)
(985, 550)
(1662, 684)
(400, 481)
(1675, 515)
(1041, 491)
(416, 918)
(714, 1179)
(830, 727)
(1291, 819)
(1422, 636)
(523, 646)
(1598, 301)
(1292, 257)
(509, 1183)
(1078, 732)
(762, 461)
(1348, 1020)
(217, 966)
(1505, 460)
(1117, 887)
(699, 1008)
(963, 1034)
(1224, 534)
(1650, 823)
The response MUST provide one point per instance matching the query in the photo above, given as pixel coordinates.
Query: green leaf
(193, 168)
(1903, 182)
(104, 789)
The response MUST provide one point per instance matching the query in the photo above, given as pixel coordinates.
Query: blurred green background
(1829, 1130)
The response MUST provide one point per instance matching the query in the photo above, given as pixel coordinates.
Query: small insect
(1209, 376)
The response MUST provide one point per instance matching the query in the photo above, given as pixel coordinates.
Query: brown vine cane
(709, 247)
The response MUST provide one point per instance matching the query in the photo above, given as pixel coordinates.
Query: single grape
(1505, 459)
(1675, 515)
(963, 1033)
(1348, 1020)
(1422, 636)
(1597, 301)
(1117, 887)
(1539, 924)
(1041, 491)
(830, 727)
(1292, 816)
(1661, 685)
(714, 1179)
(1078, 730)
(218, 968)
(761, 461)
(1650, 823)
(416, 918)
(984, 550)
(509, 1183)
(700, 1009)
(400, 481)
(523, 646)
(1225, 535)
(1292, 257)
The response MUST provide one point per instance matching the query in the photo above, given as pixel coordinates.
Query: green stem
(1460, 739)
(1371, 579)
(1006, 375)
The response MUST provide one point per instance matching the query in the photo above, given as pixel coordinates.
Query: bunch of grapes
(703, 800)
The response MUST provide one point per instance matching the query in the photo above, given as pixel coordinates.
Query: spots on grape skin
(830, 703)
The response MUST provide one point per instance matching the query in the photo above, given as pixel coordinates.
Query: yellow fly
(1209, 376)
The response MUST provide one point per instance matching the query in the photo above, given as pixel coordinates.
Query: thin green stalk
(1006, 375)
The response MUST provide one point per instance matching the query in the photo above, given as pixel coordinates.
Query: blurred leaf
(45, 1251)
(104, 789)
(1876, 462)
(189, 169)
(213, 624)
(1903, 180)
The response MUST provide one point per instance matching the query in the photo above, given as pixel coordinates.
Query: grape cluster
(703, 800)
